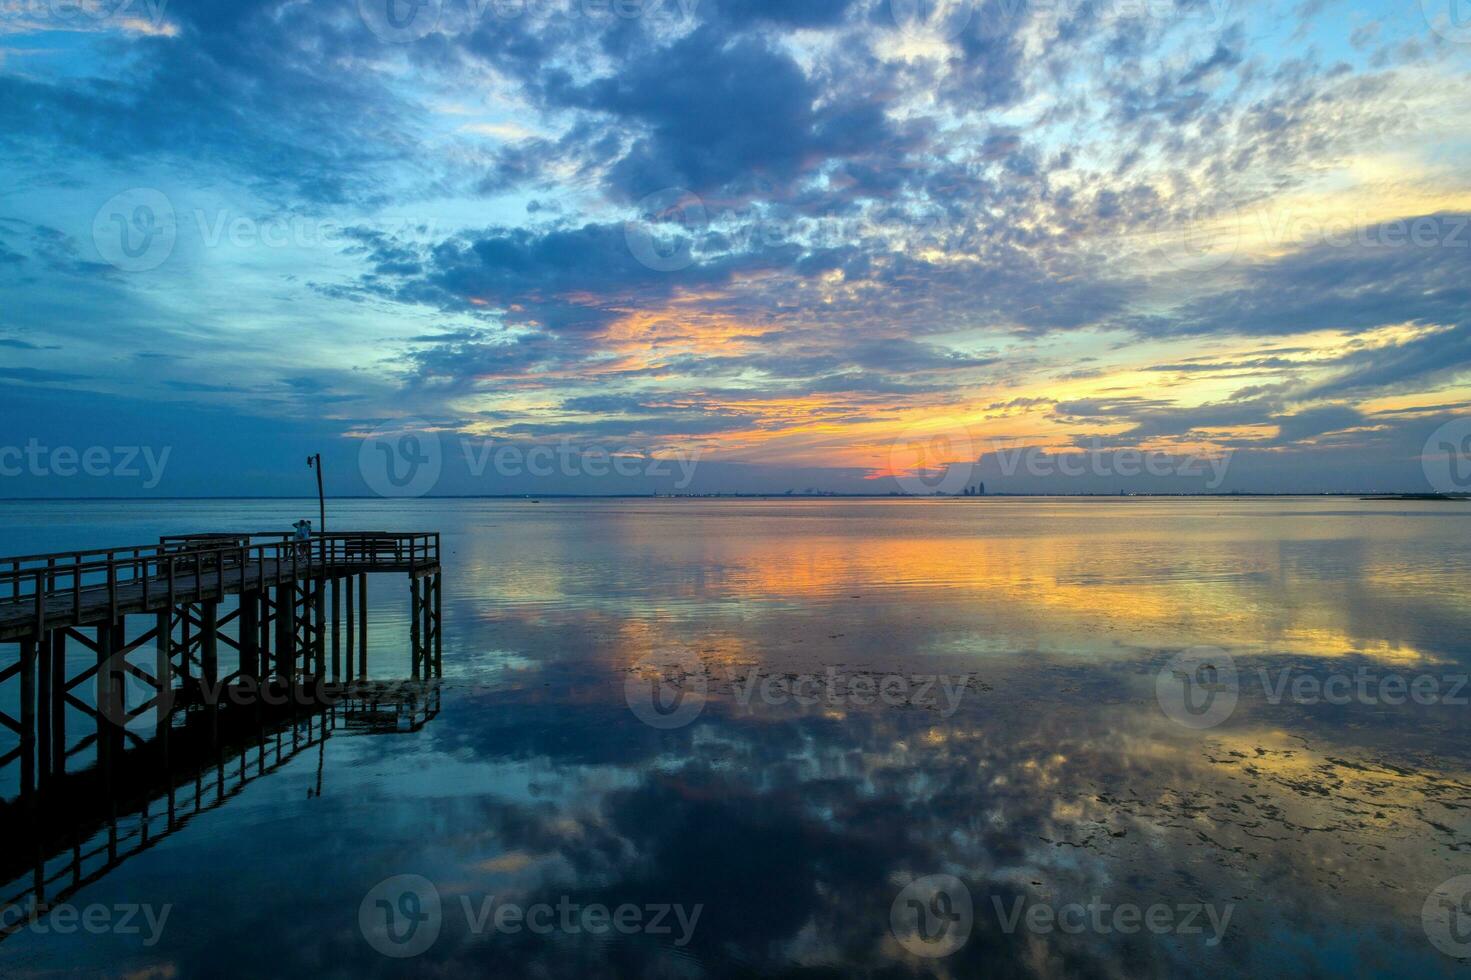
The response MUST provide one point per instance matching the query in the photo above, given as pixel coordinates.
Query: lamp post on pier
(314, 461)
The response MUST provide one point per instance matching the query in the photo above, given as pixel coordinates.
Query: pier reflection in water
(82, 825)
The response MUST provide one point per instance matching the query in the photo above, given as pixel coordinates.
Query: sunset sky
(795, 238)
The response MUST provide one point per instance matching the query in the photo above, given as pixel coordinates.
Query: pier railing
(202, 565)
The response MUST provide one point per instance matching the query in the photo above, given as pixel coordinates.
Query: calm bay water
(1029, 747)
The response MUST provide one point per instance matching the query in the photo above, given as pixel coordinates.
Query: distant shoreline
(1366, 495)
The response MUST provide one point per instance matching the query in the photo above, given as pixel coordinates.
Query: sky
(863, 246)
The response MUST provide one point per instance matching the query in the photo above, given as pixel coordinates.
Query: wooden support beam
(186, 640)
(439, 625)
(286, 631)
(58, 701)
(138, 641)
(416, 617)
(426, 636)
(347, 582)
(43, 708)
(197, 619)
(429, 626)
(336, 629)
(250, 635)
(267, 627)
(105, 637)
(362, 626)
(118, 656)
(82, 638)
(302, 596)
(85, 675)
(164, 636)
(209, 640)
(209, 657)
(164, 673)
(318, 589)
(40, 605)
(27, 717)
(220, 623)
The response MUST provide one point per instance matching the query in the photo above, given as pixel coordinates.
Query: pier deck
(42, 592)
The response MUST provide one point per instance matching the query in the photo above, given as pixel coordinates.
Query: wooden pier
(225, 617)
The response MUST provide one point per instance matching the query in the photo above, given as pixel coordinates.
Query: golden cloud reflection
(1080, 577)
(1300, 837)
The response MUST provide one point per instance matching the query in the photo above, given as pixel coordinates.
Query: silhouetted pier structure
(260, 599)
(83, 825)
